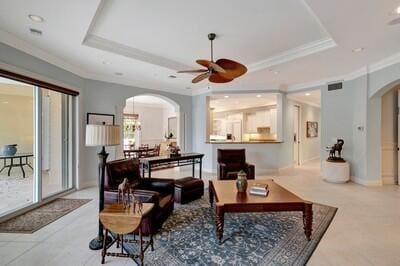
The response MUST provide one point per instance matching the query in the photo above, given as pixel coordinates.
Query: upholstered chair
(154, 190)
(232, 161)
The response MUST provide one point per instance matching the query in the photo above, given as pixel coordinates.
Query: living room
(182, 96)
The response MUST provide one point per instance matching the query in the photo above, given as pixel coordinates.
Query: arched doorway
(150, 120)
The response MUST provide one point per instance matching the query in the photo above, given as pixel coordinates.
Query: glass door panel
(55, 142)
(17, 139)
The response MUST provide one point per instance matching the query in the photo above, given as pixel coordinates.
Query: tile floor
(365, 231)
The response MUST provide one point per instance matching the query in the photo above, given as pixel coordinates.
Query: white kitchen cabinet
(273, 119)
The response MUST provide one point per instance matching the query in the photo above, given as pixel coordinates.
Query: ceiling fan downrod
(211, 37)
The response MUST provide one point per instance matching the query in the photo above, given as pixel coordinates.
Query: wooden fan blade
(218, 78)
(201, 77)
(394, 21)
(193, 71)
(232, 69)
(217, 68)
(204, 62)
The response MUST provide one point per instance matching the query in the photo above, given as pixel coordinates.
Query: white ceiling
(220, 103)
(304, 40)
(309, 97)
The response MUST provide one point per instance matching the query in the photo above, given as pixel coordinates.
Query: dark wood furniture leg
(193, 167)
(141, 256)
(149, 171)
(219, 223)
(307, 220)
(200, 167)
(103, 253)
(210, 193)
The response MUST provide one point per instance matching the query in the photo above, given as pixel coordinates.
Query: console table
(161, 162)
(16, 160)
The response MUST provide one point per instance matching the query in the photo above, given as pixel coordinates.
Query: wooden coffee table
(279, 199)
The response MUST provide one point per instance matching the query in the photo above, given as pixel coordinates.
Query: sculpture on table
(173, 149)
(137, 203)
(337, 147)
(124, 192)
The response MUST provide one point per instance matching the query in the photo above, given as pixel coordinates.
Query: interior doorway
(150, 121)
(296, 135)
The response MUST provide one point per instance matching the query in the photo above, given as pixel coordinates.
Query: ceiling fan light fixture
(358, 49)
(35, 18)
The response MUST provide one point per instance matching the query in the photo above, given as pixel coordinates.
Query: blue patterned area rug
(275, 238)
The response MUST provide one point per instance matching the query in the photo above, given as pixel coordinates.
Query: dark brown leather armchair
(154, 190)
(231, 161)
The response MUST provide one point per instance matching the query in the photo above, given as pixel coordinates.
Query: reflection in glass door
(17, 140)
(55, 142)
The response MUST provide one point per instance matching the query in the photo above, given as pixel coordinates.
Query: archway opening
(149, 121)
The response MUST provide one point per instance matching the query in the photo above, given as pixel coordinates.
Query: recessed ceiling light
(36, 18)
(258, 95)
(118, 74)
(276, 72)
(398, 10)
(172, 76)
(226, 96)
(357, 50)
(35, 31)
(307, 94)
(5, 102)
(106, 62)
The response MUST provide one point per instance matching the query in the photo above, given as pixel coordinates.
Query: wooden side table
(122, 221)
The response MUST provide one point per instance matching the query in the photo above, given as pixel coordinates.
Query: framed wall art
(312, 129)
(100, 119)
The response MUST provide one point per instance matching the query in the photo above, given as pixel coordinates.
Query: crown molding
(17, 43)
(292, 54)
(104, 44)
(323, 82)
(386, 62)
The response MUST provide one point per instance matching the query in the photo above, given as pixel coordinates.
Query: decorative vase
(241, 182)
(9, 150)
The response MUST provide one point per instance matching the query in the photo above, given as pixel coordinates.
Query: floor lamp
(101, 135)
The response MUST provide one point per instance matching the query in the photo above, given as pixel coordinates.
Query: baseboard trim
(366, 182)
(86, 184)
(389, 180)
(311, 159)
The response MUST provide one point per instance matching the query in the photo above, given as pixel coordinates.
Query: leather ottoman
(188, 189)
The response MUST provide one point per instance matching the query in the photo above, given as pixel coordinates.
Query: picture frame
(172, 126)
(100, 119)
(311, 129)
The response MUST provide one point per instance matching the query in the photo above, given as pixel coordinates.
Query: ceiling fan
(221, 71)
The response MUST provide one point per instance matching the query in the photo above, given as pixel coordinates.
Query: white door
(296, 135)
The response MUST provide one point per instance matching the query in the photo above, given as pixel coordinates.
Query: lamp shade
(102, 135)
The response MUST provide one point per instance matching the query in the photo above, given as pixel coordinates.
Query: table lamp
(101, 135)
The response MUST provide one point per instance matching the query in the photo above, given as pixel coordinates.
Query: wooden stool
(122, 221)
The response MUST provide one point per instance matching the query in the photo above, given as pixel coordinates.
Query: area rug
(275, 238)
(35, 219)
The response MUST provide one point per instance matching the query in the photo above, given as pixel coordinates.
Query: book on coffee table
(259, 189)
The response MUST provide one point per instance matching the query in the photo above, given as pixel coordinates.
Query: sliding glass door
(17, 140)
(55, 142)
(35, 144)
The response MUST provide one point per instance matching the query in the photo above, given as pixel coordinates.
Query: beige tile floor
(365, 231)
